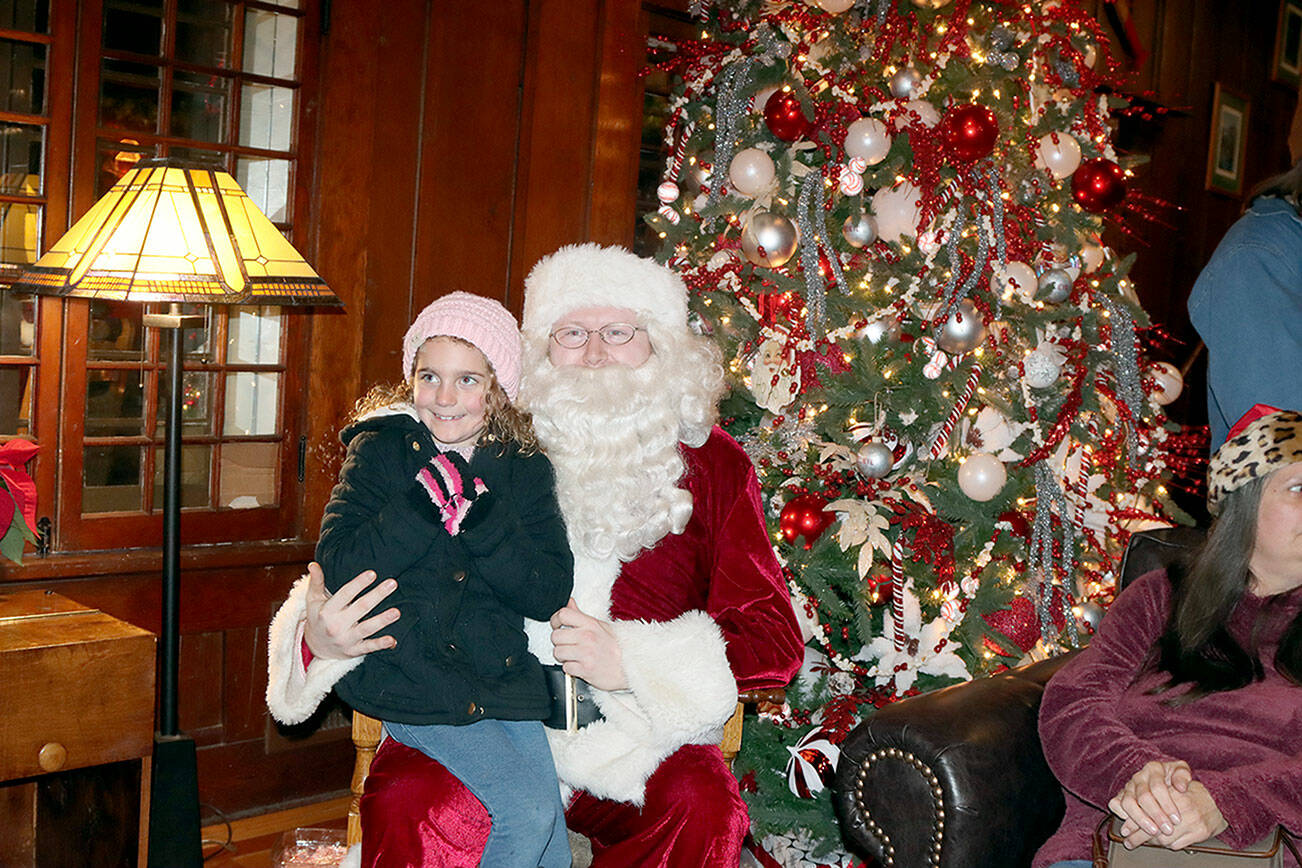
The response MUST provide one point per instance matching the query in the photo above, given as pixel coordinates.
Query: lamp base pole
(174, 837)
(174, 801)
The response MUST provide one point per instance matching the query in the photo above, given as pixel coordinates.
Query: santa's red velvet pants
(415, 813)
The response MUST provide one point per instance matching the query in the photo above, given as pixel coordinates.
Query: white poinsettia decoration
(918, 654)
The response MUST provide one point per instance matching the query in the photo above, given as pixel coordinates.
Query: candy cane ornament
(955, 413)
(897, 594)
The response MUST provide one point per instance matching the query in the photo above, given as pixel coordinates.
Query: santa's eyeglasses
(616, 334)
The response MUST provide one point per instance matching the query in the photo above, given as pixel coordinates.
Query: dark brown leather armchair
(956, 778)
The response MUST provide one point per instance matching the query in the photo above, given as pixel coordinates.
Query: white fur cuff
(293, 693)
(678, 671)
(681, 691)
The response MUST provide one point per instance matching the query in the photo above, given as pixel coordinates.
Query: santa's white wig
(612, 433)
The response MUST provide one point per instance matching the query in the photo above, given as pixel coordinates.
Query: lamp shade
(171, 232)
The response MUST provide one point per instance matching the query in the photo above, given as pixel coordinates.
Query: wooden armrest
(772, 695)
(367, 733)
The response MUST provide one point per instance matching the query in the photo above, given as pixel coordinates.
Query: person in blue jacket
(444, 489)
(1247, 307)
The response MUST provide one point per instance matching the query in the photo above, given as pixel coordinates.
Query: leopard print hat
(1258, 444)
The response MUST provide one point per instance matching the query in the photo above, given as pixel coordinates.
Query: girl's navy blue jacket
(462, 653)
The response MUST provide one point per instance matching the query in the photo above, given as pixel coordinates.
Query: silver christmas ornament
(769, 239)
(883, 327)
(1010, 60)
(1040, 369)
(859, 231)
(1091, 614)
(1055, 286)
(963, 331)
(874, 460)
(906, 84)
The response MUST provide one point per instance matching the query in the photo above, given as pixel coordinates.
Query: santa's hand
(586, 647)
(336, 626)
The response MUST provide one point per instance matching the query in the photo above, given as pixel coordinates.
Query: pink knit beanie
(480, 321)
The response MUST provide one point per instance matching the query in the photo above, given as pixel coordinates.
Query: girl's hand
(1148, 800)
(586, 647)
(334, 628)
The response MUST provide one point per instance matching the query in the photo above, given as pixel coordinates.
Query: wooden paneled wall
(1193, 44)
(458, 144)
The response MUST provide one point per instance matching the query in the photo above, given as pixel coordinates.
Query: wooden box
(76, 734)
(76, 686)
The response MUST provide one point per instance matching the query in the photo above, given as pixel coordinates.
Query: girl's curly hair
(504, 422)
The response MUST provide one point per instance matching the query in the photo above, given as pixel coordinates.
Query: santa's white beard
(612, 435)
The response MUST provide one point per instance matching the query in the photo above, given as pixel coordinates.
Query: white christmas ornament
(1041, 368)
(925, 111)
(1014, 279)
(896, 209)
(982, 476)
(1059, 153)
(963, 331)
(1091, 256)
(1167, 382)
(751, 172)
(836, 7)
(885, 326)
(667, 192)
(869, 140)
(769, 239)
(906, 83)
(859, 230)
(761, 98)
(874, 459)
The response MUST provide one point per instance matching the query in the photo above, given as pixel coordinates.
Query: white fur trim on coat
(681, 691)
(293, 693)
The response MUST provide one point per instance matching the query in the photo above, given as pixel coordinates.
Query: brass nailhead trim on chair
(937, 795)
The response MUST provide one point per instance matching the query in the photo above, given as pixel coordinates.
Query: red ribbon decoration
(14, 456)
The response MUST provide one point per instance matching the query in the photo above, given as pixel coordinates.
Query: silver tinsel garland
(730, 108)
(1047, 492)
(1125, 366)
(813, 233)
(952, 293)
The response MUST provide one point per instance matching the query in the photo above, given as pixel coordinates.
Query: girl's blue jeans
(507, 764)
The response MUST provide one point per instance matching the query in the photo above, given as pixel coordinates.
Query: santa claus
(678, 599)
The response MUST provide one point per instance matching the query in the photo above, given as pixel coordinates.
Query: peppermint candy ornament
(667, 193)
(812, 764)
(851, 182)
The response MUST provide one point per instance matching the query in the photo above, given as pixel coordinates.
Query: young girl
(445, 490)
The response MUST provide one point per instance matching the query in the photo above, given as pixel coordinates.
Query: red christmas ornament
(1098, 184)
(1018, 622)
(879, 589)
(969, 132)
(784, 116)
(804, 516)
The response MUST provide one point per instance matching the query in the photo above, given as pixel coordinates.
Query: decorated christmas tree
(890, 214)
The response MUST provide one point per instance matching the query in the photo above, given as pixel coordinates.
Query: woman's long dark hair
(1197, 647)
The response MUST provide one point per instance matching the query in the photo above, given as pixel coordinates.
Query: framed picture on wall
(1287, 67)
(1225, 154)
